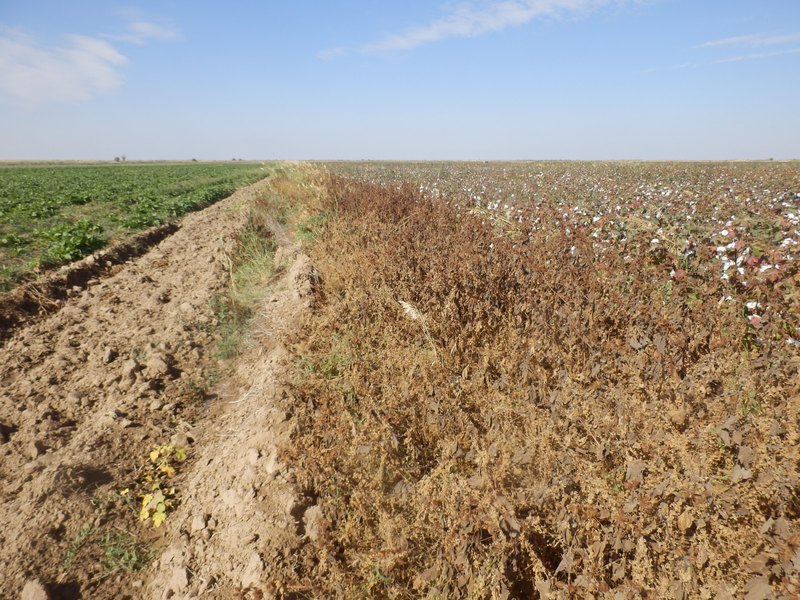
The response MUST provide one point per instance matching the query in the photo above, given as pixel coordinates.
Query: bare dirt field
(123, 367)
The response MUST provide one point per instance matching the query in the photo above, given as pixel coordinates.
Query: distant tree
(116, 159)
(123, 158)
(194, 160)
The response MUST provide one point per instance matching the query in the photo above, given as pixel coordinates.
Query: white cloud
(474, 19)
(75, 70)
(754, 40)
(33, 74)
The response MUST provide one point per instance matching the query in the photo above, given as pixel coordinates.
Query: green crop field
(51, 214)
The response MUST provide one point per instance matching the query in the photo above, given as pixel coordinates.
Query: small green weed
(616, 479)
(123, 552)
(80, 540)
(119, 550)
(751, 406)
(310, 228)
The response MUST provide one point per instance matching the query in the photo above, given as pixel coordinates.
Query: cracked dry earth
(125, 365)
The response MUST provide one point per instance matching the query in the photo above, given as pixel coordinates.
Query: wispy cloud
(727, 60)
(477, 18)
(332, 53)
(140, 32)
(754, 40)
(75, 70)
(33, 74)
(755, 56)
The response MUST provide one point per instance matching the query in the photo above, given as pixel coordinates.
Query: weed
(311, 227)
(251, 268)
(212, 376)
(750, 406)
(616, 479)
(331, 365)
(123, 552)
(156, 494)
(81, 539)
(195, 391)
(119, 550)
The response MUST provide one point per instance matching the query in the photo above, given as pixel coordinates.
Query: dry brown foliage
(485, 414)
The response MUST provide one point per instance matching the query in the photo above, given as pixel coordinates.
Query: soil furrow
(86, 391)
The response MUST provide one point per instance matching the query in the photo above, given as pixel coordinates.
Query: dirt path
(124, 365)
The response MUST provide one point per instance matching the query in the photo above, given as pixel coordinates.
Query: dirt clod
(252, 456)
(109, 354)
(678, 417)
(179, 581)
(313, 522)
(252, 573)
(198, 523)
(36, 449)
(34, 590)
(157, 366)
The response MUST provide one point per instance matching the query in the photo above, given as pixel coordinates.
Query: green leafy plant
(72, 241)
(52, 214)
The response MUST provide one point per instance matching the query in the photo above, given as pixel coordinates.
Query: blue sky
(380, 79)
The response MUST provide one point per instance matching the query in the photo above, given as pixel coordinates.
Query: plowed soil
(124, 365)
